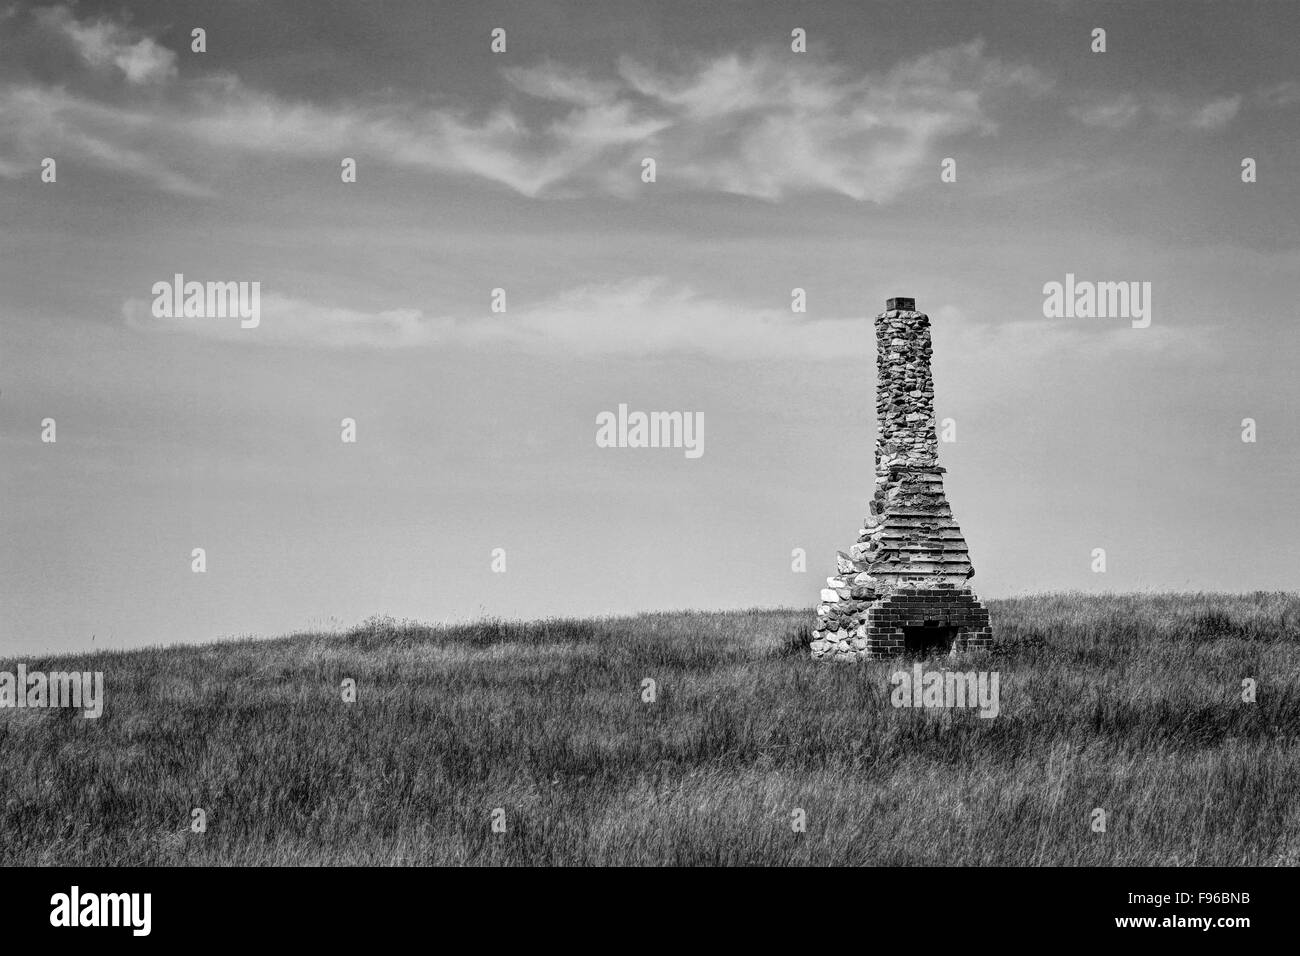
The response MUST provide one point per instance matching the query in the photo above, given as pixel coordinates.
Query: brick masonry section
(910, 565)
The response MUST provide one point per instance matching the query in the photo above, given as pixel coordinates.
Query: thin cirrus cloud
(39, 121)
(109, 46)
(638, 316)
(1124, 111)
(756, 125)
(652, 316)
(764, 123)
(1118, 113)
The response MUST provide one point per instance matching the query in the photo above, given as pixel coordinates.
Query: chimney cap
(900, 303)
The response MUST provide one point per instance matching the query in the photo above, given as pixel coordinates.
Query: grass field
(1131, 704)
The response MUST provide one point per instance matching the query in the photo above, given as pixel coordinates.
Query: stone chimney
(902, 587)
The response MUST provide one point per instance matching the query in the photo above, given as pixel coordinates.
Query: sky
(522, 170)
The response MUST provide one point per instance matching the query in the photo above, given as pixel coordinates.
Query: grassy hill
(1131, 704)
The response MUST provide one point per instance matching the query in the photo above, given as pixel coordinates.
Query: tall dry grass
(1130, 703)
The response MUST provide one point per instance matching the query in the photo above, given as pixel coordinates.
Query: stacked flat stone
(910, 561)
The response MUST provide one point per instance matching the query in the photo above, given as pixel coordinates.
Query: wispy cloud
(107, 45)
(765, 123)
(39, 121)
(635, 317)
(1278, 95)
(1168, 110)
(651, 316)
(769, 124)
(1214, 114)
(1118, 113)
(286, 320)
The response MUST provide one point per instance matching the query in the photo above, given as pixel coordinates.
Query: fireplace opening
(926, 639)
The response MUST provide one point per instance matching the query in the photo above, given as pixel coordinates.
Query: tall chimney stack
(902, 587)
